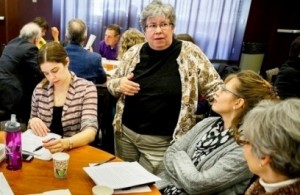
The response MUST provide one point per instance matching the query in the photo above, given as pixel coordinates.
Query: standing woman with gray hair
(157, 85)
(19, 72)
(272, 147)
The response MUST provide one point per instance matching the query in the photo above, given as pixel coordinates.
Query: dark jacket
(288, 79)
(19, 74)
(85, 64)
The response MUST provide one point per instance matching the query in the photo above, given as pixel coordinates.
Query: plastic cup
(102, 190)
(109, 67)
(60, 164)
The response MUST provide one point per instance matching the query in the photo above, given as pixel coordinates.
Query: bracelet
(70, 143)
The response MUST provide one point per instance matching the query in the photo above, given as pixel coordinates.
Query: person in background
(63, 103)
(83, 63)
(288, 78)
(271, 147)
(108, 48)
(208, 160)
(157, 85)
(185, 37)
(128, 39)
(43, 24)
(19, 73)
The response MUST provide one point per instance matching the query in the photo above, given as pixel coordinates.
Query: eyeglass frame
(242, 142)
(162, 26)
(223, 88)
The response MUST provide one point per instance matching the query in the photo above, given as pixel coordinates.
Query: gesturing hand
(128, 87)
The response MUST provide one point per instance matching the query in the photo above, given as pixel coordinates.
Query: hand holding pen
(41, 146)
(55, 145)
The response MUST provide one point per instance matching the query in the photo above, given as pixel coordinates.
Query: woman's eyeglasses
(162, 26)
(240, 140)
(223, 88)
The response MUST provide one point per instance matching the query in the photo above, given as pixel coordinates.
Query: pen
(108, 160)
(40, 147)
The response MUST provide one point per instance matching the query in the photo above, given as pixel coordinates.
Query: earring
(233, 107)
(260, 165)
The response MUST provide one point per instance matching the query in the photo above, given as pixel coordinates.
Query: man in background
(83, 63)
(19, 73)
(43, 24)
(288, 78)
(108, 48)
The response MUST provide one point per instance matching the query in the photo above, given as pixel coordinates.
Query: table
(37, 176)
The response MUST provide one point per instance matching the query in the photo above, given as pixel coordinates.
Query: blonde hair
(252, 88)
(128, 39)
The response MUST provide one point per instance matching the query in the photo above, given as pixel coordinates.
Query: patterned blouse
(79, 110)
(197, 74)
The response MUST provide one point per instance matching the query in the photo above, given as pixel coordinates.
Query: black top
(56, 125)
(288, 79)
(155, 109)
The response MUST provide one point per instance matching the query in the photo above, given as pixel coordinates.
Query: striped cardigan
(79, 110)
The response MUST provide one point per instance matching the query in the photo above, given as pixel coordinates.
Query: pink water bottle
(13, 144)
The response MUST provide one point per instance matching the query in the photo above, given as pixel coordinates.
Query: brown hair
(115, 28)
(52, 52)
(42, 22)
(252, 88)
(128, 39)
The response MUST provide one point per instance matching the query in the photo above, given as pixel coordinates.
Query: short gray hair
(30, 31)
(76, 31)
(157, 8)
(272, 128)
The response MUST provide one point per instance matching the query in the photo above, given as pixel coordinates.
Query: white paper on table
(31, 141)
(120, 175)
(4, 186)
(90, 41)
(55, 192)
(139, 189)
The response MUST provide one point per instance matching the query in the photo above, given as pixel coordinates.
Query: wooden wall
(265, 17)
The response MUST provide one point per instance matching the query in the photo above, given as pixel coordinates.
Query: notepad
(31, 141)
(121, 175)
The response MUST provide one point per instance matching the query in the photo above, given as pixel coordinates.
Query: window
(217, 26)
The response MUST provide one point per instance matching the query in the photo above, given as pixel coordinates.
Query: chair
(106, 108)
(271, 74)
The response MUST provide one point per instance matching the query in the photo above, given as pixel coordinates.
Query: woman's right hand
(128, 87)
(38, 127)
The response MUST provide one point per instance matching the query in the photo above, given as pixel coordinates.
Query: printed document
(32, 144)
(120, 175)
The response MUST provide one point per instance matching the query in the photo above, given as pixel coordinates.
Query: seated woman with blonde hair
(63, 103)
(272, 147)
(208, 160)
(128, 39)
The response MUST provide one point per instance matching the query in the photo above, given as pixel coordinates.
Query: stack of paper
(120, 175)
(32, 142)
